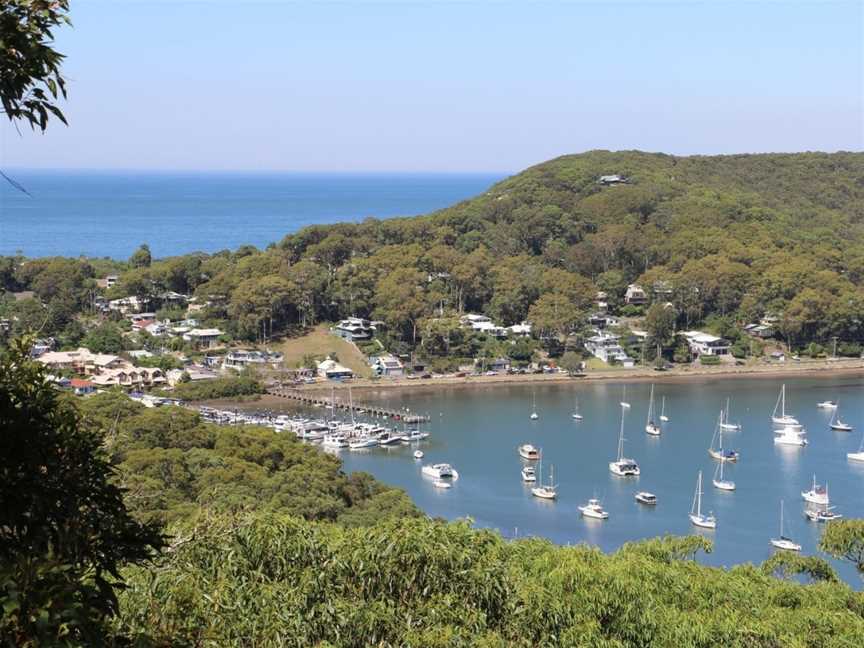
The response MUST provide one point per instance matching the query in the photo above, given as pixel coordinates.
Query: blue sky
(434, 86)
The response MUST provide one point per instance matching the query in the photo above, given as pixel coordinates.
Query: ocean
(109, 214)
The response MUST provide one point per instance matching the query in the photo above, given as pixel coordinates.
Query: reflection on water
(478, 431)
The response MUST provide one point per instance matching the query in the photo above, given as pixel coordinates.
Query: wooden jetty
(378, 411)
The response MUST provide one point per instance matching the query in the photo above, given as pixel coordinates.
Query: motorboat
(697, 518)
(440, 471)
(651, 427)
(529, 474)
(825, 514)
(718, 452)
(412, 436)
(644, 497)
(779, 416)
(548, 491)
(829, 405)
(363, 442)
(593, 509)
(719, 482)
(387, 438)
(335, 440)
(790, 435)
(783, 542)
(528, 451)
(418, 454)
(438, 483)
(817, 494)
(622, 466)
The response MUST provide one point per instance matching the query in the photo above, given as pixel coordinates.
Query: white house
(482, 324)
(332, 370)
(706, 344)
(354, 329)
(607, 348)
(387, 365)
(635, 295)
(203, 337)
(520, 330)
(241, 358)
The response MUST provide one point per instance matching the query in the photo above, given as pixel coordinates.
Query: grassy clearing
(321, 343)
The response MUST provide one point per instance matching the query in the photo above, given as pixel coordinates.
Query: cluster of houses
(100, 370)
(484, 324)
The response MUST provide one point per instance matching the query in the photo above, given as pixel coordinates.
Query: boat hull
(785, 545)
(591, 513)
(724, 485)
(623, 470)
(855, 456)
(703, 522)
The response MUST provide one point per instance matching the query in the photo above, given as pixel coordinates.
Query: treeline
(736, 237)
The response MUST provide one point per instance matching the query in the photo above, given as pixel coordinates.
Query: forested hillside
(736, 237)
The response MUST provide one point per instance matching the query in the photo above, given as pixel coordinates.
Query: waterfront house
(498, 365)
(635, 295)
(706, 344)
(332, 370)
(354, 329)
(482, 324)
(607, 348)
(203, 338)
(387, 365)
(239, 359)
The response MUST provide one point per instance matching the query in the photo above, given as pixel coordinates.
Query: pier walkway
(359, 408)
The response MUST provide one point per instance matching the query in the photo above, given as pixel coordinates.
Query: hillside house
(130, 377)
(607, 348)
(239, 359)
(354, 329)
(81, 387)
(482, 324)
(81, 361)
(706, 344)
(203, 338)
(635, 295)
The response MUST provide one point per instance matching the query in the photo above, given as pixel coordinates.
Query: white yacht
(363, 442)
(696, 515)
(388, 438)
(593, 509)
(418, 454)
(335, 440)
(825, 514)
(644, 497)
(719, 482)
(829, 404)
(725, 424)
(817, 494)
(857, 456)
(651, 427)
(529, 474)
(528, 451)
(663, 417)
(781, 417)
(836, 423)
(412, 436)
(783, 542)
(622, 466)
(793, 435)
(718, 452)
(440, 471)
(549, 491)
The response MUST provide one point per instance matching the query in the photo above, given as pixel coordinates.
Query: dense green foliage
(174, 466)
(844, 539)
(272, 581)
(735, 237)
(64, 528)
(228, 387)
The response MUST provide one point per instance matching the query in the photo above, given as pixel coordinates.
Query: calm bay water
(478, 432)
(110, 214)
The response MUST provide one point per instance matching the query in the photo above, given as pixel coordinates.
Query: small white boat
(697, 518)
(593, 509)
(549, 491)
(783, 542)
(335, 441)
(857, 456)
(790, 435)
(836, 424)
(440, 471)
(644, 497)
(663, 417)
(622, 466)
(412, 436)
(418, 454)
(624, 403)
(829, 404)
(650, 426)
(534, 415)
(529, 474)
(576, 415)
(363, 442)
(719, 482)
(528, 451)
(441, 484)
(781, 417)
(718, 452)
(725, 424)
(817, 494)
(387, 438)
(825, 514)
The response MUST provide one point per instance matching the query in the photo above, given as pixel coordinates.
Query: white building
(706, 344)
(332, 370)
(607, 348)
(387, 365)
(205, 338)
(354, 329)
(520, 330)
(241, 358)
(483, 324)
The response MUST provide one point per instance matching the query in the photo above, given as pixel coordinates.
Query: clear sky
(455, 86)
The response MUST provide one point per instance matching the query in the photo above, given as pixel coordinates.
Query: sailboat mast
(621, 437)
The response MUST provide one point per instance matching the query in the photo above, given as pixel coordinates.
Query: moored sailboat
(725, 424)
(783, 418)
(836, 424)
(696, 516)
(622, 466)
(663, 417)
(549, 491)
(719, 453)
(719, 482)
(783, 542)
(857, 456)
(651, 427)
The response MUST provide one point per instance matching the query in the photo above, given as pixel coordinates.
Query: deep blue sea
(110, 214)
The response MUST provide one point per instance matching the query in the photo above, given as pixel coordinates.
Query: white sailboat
(576, 414)
(650, 426)
(783, 418)
(663, 417)
(622, 466)
(836, 424)
(783, 542)
(534, 415)
(857, 456)
(719, 482)
(696, 516)
(725, 424)
(719, 453)
(549, 491)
